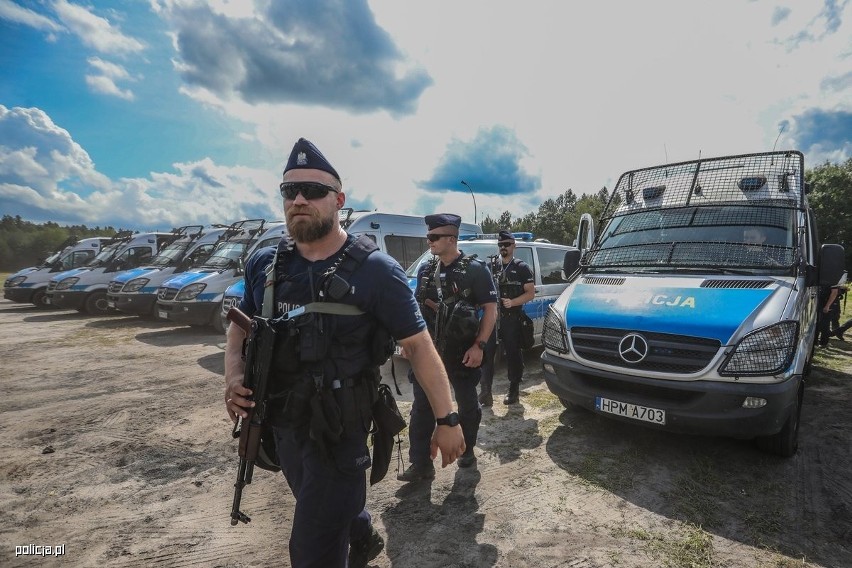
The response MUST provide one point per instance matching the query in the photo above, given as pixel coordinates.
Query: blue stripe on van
(698, 312)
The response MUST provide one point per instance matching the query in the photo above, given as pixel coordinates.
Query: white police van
(135, 291)
(401, 236)
(85, 288)
(195, 297)
(29, 285)
(695, 308)
(551, 265)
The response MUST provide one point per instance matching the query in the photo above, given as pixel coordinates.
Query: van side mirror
(571, 262)
(832, 263)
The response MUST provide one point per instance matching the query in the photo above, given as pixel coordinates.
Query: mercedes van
(135, 291)
(30, 284)
(85, 288)
(695, 309)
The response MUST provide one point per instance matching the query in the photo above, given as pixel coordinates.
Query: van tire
(39, 297)
(96, 304)
(219, 322)
(786, 442)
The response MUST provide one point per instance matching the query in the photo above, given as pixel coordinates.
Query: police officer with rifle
(450, 290)
(516, 287)
(329, 303)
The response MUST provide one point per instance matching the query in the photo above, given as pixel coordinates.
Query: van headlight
(67, 283)
(16, 281)
(553, 334)
(190, 292)
(766, 351)
(134, 285)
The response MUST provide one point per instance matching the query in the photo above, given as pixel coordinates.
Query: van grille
(739, 284)
(604, 281)
(166, 293)
(115, 287)
(667, 353)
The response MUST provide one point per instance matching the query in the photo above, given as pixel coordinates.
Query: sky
(152, 114)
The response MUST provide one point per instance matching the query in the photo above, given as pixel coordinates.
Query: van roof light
(522, 236)
(751, 183)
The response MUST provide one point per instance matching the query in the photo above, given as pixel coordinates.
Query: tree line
(23, 243)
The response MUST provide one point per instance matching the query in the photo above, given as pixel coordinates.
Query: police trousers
(510, 336)
(422, 420)
(330, 496)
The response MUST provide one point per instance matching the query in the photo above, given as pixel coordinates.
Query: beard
(505, 254)
(308, 230)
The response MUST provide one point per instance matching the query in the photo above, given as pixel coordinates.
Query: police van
(551, 265)
(401, 236)
(195, 297)
(135, 291)
(85, 288)
(30, 284)
(695, 309)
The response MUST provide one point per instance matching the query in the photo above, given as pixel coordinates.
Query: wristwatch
(451, 419)
(482, 344)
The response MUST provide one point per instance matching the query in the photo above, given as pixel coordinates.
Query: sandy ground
(117, 448)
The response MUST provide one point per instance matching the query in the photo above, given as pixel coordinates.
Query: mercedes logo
(633, 348)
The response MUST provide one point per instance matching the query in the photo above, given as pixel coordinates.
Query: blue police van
(695, 308)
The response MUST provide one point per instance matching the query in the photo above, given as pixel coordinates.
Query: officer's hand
(236, 401)
(472, 357)
(431, 304)
(450, 440)
(507, 302)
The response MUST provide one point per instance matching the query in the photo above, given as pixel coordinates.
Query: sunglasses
(505, 245)
(432, 237)
(309, 189)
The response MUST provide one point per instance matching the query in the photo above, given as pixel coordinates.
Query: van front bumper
(67, 299)
(695, 407)
(19, 294)
(139, 304)
(189, 313)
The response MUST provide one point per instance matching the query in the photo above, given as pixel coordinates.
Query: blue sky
(153, 114)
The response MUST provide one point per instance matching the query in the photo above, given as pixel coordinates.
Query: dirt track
(115, 444)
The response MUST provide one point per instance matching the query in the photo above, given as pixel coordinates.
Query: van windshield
(170, 255)
(226, 254)
(759, 238)
(107, 254)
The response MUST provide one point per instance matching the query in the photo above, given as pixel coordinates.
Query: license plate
(111, 303)
(634, 411)
(162, 314)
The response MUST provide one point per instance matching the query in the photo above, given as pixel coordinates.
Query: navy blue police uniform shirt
(379, 287)
(453, 280)
(516, 273)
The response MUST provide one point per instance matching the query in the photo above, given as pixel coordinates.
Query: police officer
(516, 287)
(449, 291)
(331, 357)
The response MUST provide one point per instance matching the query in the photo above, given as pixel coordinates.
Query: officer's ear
(341, 199)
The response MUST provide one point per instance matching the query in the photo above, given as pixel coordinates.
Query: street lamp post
(464, 183)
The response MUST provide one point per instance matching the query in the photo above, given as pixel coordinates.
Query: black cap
(442, 220)
(505, 235)
(307, 156)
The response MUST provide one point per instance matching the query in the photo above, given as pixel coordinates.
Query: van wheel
(786, 442)
(96, 304)
(39, 297)
(219, 322)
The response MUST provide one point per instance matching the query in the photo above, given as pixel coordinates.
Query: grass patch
(604, 472)
(698, 491)
(542, 400)
(688, 546)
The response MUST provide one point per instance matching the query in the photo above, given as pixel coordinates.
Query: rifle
(258, 350)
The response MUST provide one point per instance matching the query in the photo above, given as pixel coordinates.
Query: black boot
(514, 394)
(485, 398)
(838, 333)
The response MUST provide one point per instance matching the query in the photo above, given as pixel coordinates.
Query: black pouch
(527, 331)
(285, 358)
(388, 423)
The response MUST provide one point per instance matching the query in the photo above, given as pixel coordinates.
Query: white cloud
(15, 13)
(94, 31)
(105, 80)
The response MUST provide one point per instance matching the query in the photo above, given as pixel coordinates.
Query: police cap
(505, 235)
(442, 220)
(307, 156)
